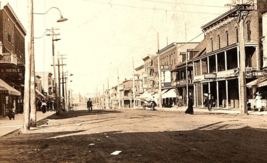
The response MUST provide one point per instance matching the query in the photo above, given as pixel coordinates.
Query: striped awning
(7, 89)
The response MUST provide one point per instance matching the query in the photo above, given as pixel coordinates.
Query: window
(211, 44)
(236, 34)
(227, 40)
(219, 42)
(248, 31)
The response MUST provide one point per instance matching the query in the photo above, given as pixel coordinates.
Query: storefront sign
(210, 76)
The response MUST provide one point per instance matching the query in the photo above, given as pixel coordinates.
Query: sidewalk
(7, 126)
(214, 110)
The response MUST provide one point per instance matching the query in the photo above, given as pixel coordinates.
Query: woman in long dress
(258, 101)
(189, 109)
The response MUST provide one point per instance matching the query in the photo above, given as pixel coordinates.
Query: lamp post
(29, 89)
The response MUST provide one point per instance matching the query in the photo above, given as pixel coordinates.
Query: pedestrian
(89, 105)
(189, 109)
(44, 106)
(258, 101)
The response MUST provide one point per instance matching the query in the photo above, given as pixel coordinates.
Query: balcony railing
(9, 58)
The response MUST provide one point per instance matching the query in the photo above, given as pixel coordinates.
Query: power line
(186, 4)
(150, 8)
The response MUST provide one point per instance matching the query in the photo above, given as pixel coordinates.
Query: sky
(103, 37)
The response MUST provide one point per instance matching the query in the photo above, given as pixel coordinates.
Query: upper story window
(227, 39)
(211, 44)
(248, 31)
(219, 42)
(236, 34)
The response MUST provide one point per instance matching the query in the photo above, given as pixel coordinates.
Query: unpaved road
(141, 135)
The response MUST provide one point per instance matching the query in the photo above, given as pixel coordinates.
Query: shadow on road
(214, 145)
(76, 113)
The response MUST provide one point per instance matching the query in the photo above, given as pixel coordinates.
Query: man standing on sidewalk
(89, 105)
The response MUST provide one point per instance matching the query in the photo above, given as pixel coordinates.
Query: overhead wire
(115, 4)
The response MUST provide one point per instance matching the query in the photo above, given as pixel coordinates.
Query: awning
(170, 94)
(263, 83)
(39, 93)
(145, 95)
(162, 92)
(7, 89)
(256, 82)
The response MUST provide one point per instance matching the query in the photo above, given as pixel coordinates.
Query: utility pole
(133, 86)
(119, 90)
(103, 96)
(32, 82)
(58, 67)
(186, 56)
(55, 74)
(26, 112)
(242, 70)
(63, 81)
(159, 73)
(108, 99)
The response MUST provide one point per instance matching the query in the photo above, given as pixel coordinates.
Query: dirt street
(141, 136)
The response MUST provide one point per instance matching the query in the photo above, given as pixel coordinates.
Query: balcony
(166, 67)
(9, 59)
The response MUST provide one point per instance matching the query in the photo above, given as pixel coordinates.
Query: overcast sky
(102, 36)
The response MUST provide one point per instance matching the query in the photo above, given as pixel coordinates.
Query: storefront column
(217, 92)
(225, 60)
(227, 98)
(202, 95)
(239, 89)
(208, 60)
(238, 56)
(216, 62)
(195, 95)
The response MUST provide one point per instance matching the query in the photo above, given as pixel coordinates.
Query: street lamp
(61, 17)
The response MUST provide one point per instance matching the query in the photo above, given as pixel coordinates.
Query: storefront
(9, 98)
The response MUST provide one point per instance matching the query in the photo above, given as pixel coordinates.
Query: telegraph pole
(54, 64)
(133, 86)
(159, 73)
(119, 90)
(26, 111)
(63, 81)
(108, 99)
(58, 67)
(32, 81)
(242, 70)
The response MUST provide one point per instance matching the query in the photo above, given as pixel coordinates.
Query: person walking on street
(89, 105)
(189, 109)
(44, 105)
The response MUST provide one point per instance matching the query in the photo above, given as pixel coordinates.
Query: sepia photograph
(133, 81)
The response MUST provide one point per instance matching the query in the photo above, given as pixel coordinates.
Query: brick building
(12, 60)
(216, 69)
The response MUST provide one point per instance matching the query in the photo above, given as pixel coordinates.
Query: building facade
(12, 61)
